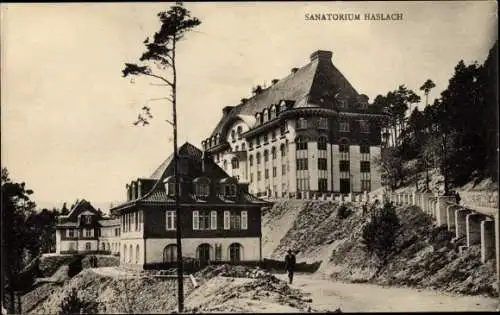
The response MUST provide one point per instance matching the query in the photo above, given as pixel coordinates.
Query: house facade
(220, 220)
(308, 132)
(85, 231)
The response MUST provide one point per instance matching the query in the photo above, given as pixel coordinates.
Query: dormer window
(323, 123)
(87, 219)
(230, 190)
(273, 112)
(202, 186)
(342, 104)
(301, 123)
(239, 130)
(170, 185)
(233, 135)
(265, 115)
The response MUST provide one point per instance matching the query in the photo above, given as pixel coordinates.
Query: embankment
(423, 257)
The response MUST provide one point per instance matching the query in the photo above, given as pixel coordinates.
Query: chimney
(294, 70)
(139, 189)
(127, 187)
(257, 89)
(274, 81)
(133, 191)
(226, 110)
(321, 55)
(205, 156)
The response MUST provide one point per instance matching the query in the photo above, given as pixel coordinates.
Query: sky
(67, 112)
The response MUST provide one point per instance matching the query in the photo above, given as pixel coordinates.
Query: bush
(72, 304)
(343, 212)
(379, 234)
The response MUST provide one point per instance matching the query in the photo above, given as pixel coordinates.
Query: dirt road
(357, 297)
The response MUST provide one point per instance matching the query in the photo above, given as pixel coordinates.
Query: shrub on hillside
(379, 234)
(73, 304)
(344, 212)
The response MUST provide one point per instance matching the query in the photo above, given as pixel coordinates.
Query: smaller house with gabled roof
(84, 230)
(220, 220)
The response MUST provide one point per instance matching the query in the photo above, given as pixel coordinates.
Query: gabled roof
(306, 87)
(192, 158)
(190, 167)
(80, 207)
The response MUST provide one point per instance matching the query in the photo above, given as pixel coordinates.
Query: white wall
(374, 168)
(58, 241)
(251, 247)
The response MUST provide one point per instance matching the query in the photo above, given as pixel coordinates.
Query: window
(257, 141)
(88, 246)
(117, 232)
(227, 220)
(233, 135)
(171, 222)
(88, 219)
(243, 147)
(213, 220)
(244, 220)
(235, 221)
(364, 127)
(322, 184)
(71, 233)
(344, 146)
(365, 185)
(344, 126)
(283, 129)
(283, 169)
(273, 153)
(301, 164)
(170, 253)
(224, 164)
(265, 138)
(322, 164)
(302, 184)
(322, 143)
(282, 149)
(266, 156)
(235, 163)
(130, 253)
(218, 252)
(258, 175)
(202, 189)
(196, 220)
(301, 143)
(236, 148)
(238, 132)
(258, 158)
(204, 217)
(88, 232)
(301, 123)
(230, 190)
(251, 177)
(266, 173)
(365, 166)
(250, 144)
(344, 166)
(250, 160)
(342, 103)
(265, 115)
(137, 250)
(274, 171)
(364, 148)
(323, 123)
(273, 135)
(170, 189)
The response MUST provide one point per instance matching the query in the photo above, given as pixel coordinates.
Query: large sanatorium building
(308, 132)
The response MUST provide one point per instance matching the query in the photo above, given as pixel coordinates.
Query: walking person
(290, 264)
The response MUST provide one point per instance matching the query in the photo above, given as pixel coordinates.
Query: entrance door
(345, 186)
(235, 253)
(204, 254)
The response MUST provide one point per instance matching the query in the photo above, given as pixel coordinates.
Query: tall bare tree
(159, 63)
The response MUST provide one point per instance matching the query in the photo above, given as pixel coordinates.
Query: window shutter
(213, 220)
(226, 220)
(244, 220)
(196, 221)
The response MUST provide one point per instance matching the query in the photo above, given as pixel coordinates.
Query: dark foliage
(379, 235)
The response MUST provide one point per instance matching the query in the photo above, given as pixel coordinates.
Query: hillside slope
(424, 255)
